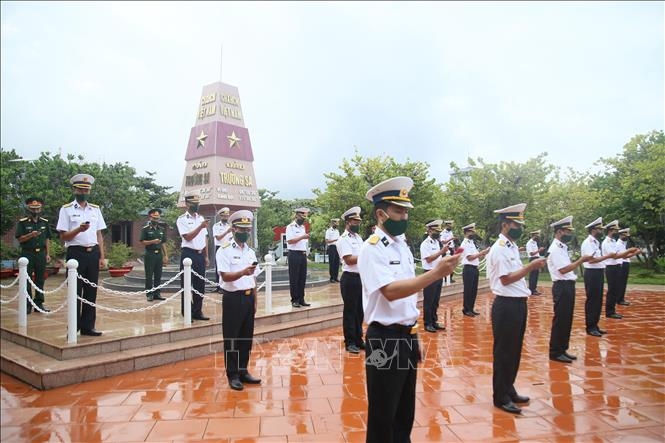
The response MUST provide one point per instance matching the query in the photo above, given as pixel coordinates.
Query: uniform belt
(472, 266)
(298, 251)
(31, 249)
(241, 292)
(409, 330)
(198, 251)
(84, 248)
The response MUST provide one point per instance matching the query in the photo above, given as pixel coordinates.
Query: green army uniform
(153, 259)
(34, 250)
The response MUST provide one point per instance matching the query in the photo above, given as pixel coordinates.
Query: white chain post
(270, 261)
(187, 269)
(23, 292)
(72, 317)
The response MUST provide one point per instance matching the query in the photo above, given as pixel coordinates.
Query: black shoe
(602, 331)
(43, 309)
(200, 317)
(468, 314)
(536, 293)
(305, 304)
(150, 297)
(510, 407)
(430, 328)
(561, 358)
(332, 280)
(475, 313)
(615, 315)
(361, 345)
(90, 332)
(595, 333)
(520, 398)
(295, 305)
(439, 327)
(624, 303)
(572, 357)
(247, 378)
(236, 384)
(158, 297)
(336, 281)
(452, 281)
(219, 291)
(353, 349)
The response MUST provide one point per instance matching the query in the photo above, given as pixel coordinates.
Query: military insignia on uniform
(23, 219)
(561, 245)
(68, 205)
(395, 262)
(508, 244)
(226, 245)
(502, 243)
(42, 218)
(385, 241)
(374, 239)
(93, 205)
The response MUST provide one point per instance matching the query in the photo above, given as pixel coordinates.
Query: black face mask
(615, 235)
(597, 235)
(436, 235)
(300, 221)
(81, 197)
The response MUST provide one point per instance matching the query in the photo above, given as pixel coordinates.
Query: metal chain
(4, 302)
(210, 282)
(11, 284)
(62, 285)
(53, 311)
(214, 300)
(111, 291)
(145, 308)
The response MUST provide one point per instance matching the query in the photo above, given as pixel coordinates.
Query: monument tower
(219, 154)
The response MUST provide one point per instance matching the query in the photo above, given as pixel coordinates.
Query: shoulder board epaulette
(374, 239)
(68, 205)
(93, 205)
(23, 219)
(345, 234)
(502, 243)
(182, 215)
(147, 225)
(42, 218)
(226, 245)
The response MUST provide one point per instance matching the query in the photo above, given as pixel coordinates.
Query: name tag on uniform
(395, 262)
(236, 258)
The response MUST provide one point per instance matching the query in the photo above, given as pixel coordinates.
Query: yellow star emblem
(201, 139)
(233, 139)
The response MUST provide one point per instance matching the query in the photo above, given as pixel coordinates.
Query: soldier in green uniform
(153, 237)
(33, 233)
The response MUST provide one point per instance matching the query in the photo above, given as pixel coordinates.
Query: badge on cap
(435, 225)
(394, 191)
(564, 223)
(512, 213)
(471, 227)
(242, 218)
(596, 224)
(82, 181)
(192, 197)
(614, 224)
(352, 214)
(34, 203)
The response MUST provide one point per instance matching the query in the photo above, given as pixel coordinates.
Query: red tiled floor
(313, 391)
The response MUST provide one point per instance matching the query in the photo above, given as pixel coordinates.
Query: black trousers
(153, 263)
(198, 266)
(88, 268)
(431, 298)
(297, 275)
(508, 325)
(391, 369)
(593, 287)
(625, 272)
(36, 264)
(533, 277)
(614, 276)
(238, 330)
(352, 318)
(333, 262)
(470, 275)
(563, 295)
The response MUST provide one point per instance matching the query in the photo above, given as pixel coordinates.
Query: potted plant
(118, 256)
(56, 251)
(8, 260)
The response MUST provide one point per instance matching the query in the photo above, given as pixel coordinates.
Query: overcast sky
(434, 82)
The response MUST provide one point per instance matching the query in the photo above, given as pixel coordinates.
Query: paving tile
(245, 427)
(177, 430)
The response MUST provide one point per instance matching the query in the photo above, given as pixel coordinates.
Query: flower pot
(119, 272)
(6, 273)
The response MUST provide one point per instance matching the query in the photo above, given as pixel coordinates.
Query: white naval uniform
(447, 237)
(470, 248)
(591, 246)
(218, 229)
(72, 215)
(504, 258)
(349, 243)
(610, 246)
(294, 230)
(332, 234)
(187, 223)
(532, 249)
(559, 259)
(382, 261)
(429, 247)
(231, 257)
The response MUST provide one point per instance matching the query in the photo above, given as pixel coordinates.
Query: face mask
(449, 229)
(154, 221)
(300, 221)
(34, 214)
(81, 197)
(615, 235)
(436, 235)
(354, 228)
(193, 208)
(241, 237)
(225, 220)
(565, 238)
(597, 235)
(515, 233)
